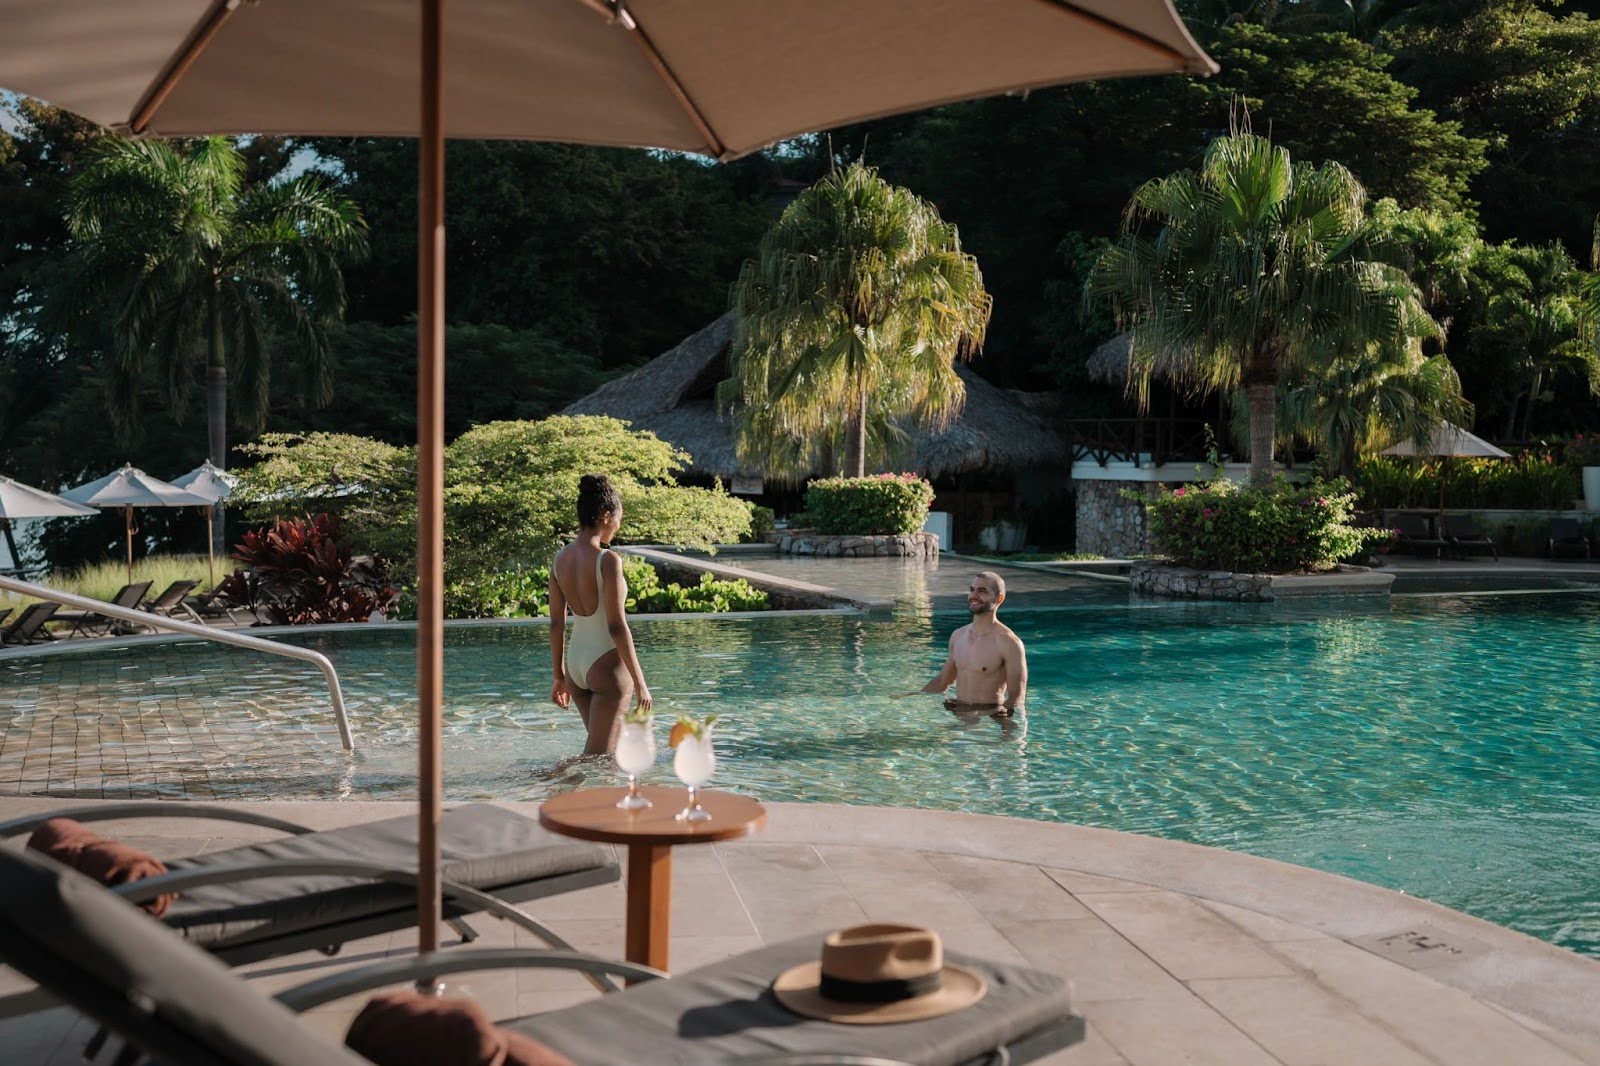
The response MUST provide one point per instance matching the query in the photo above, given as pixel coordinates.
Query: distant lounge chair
(1417, 536)
(29, 626)
(5, 613)
(1565, 536)
(214, 605)
(86, 622)
(110, 961)
(171, 600)
(1462, 531)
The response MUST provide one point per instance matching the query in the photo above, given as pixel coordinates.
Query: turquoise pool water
(1445, 746)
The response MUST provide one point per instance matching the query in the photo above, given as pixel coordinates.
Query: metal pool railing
(192, 629)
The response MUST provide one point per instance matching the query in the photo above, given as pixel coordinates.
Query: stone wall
(803, 542)
(1109, 523)
(1181, 583)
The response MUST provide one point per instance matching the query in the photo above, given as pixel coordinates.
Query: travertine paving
(1178, 954)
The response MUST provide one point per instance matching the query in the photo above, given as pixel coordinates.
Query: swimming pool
(1441, 745)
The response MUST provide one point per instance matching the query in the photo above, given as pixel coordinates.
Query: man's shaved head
(994, 581)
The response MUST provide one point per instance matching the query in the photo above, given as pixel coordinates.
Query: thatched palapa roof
(1109, 362)
(673, 397)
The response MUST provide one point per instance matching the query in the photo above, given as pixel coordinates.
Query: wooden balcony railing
(1137, 440)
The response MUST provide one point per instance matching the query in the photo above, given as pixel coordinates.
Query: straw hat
(875, 974)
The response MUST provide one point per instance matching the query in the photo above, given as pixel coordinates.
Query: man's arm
(947, 673)
(1016, 660)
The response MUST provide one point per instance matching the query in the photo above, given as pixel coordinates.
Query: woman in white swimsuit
(597, 666)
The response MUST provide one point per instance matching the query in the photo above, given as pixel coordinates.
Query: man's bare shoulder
(1009, 636)
(963, 632)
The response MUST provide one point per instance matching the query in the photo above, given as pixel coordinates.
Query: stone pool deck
(1178, 953)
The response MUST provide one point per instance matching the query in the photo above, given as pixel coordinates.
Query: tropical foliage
(511, 491)
(525, 594)
(207, 271)
(1533, 480)
(1252, 267)
(865, 506)
(1281, 527)
(858, 304)
(302, 571)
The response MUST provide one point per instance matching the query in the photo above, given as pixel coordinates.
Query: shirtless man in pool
(987, 661)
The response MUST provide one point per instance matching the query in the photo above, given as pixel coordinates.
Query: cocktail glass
(636, 753)
(694, 761)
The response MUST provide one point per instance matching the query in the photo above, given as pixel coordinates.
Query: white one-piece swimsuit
(589, 637)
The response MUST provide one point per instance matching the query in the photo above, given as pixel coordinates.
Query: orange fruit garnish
(680, 732)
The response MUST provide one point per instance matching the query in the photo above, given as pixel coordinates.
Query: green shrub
(863, 506)
(1534, 480)
(762, 522)
(508, 594)
(710, 594)
(1281, 528)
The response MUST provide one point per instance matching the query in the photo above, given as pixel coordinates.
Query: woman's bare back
(575, 573)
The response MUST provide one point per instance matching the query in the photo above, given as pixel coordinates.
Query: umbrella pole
(430, 472)
(127, 513)
(211, 552)
(11, 544)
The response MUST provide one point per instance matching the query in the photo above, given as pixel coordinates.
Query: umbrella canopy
(720, 77)
(215, 485)
(24, 501)
(208, 482)
(128, 488)
(132, 487)
(1449, 441)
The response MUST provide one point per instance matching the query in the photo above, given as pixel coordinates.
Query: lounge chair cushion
(727, 1011)
(407, 1029)
(93, 949)
(482, 846)
(74, 844)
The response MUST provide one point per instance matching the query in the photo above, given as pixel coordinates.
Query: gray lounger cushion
(726, 1012)
(110, 960)
(483, 846)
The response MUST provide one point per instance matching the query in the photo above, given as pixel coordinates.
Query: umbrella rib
(174, 71)
(1133, 36)
(674, 86)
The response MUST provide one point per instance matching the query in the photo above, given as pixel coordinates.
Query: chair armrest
(105, 812)
(461, 960)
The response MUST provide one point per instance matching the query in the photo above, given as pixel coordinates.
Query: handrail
(237, 640)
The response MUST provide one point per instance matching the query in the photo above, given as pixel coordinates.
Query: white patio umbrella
(1448, 441)
(129, 488)
(717, 77)
(24, 501)
(215, 486)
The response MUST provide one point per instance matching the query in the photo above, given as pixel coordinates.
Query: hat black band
(891, 991)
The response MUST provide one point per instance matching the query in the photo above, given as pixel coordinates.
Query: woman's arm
(617, 625)
(559, 694)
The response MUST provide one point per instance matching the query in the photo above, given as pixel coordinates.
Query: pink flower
(1323, 500)
(1179, 491)
(1207, 513)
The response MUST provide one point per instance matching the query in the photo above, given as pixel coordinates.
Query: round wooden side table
(650, 835)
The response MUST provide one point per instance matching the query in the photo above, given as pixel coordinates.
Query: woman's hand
(644, 699)
(559, 695)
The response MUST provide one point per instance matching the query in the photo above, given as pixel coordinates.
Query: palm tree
(1541, 315)
(1256, 265)
(207, 270)
(859, 302)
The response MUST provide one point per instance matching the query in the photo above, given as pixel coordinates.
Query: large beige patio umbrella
(1447, 441)
(24, 501)
(127, 489)
(718, 77)
(213, 485)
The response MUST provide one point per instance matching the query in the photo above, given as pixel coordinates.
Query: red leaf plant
(302, 572)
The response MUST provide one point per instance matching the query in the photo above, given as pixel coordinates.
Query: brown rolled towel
(74, 844)
(408, 1029)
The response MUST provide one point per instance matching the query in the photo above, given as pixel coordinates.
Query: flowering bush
(1584, 450)
(863, 506)
(1277, 529)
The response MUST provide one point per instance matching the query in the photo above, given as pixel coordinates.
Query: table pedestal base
(649, 904)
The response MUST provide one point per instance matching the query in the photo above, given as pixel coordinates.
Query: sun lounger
(215, 605)
(1465, 538)
(319, 889)
(86, 622)
(171, 600)
(113, 963)
(29, 626)
(1416, 535)
(1565, 536)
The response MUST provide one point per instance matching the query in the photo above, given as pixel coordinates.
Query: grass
(101, 581)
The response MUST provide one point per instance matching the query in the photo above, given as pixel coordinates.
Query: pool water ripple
(1442, 746)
